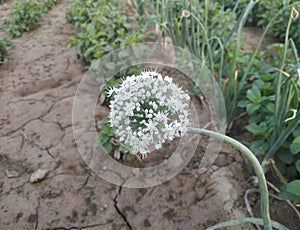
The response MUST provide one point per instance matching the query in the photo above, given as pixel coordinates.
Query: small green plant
(24, 16)
(4, 44)
(274, 115)
(214, 36)
(267, 9)
(106, 133)
(80, 11)
(106, 137)
(103, 28)
(48, 4)
(280, 25)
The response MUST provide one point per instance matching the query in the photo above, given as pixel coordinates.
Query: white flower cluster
(147, 110)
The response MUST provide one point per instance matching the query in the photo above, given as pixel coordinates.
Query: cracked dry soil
(37, 89)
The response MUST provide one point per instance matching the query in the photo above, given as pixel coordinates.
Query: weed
(24, 16)
(103, 28)
(4, 44)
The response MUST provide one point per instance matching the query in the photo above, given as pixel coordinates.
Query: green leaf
(294, 187)
(295, 146)
(124, 148)
(281, 166)
(108, 147)
(271, 107)
(288, 196)
(255, 118)
(254, 95)
(103, 139)
(297, 164)
(285, 156)
(251, 108)
(296, 132)
(291, 171)
(107, 131)
(258, 147)
(257, 129)
(291, 191)
(243, 103)
(295, 95)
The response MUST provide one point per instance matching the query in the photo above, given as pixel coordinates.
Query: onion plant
(147, 110)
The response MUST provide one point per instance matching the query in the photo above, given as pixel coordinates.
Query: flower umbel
(147, 110)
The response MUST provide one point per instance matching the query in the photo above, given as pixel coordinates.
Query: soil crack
(119, 210)
(84, 183)
(79, 228)
(37, 214)
(13, 189)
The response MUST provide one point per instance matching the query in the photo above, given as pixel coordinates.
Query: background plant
(48, 4)
(5, 43)
(213, 34)
(103, 28)
(264, 11)
(218, 42)
(25, 15)
(105, 137)
(274, 116)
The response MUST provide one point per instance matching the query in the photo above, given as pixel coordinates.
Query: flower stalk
(264, 195)
(147, 110)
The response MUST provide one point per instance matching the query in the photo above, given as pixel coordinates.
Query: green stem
(207, 42)
(237, 222)
(279, 116)
(278, 173)
(264, 195)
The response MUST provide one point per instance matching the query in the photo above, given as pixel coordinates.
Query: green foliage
(193, 31)
(277, 130)
(24, 16)
(4, 44)
(211, 30)
(48, 4)
(295, 146)
(103, 28)
(291, 191)
(212, 33)
(116, 81)
(106, 134)
(267, 9)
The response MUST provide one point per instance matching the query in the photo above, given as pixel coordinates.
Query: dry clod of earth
(38, 175)
(12, 174)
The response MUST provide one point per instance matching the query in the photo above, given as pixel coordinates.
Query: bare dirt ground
(45, 184)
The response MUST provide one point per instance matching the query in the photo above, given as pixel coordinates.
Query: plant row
(265, 10)
(265, 81)
(24, 16)
(5, 42)
(103, 28)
